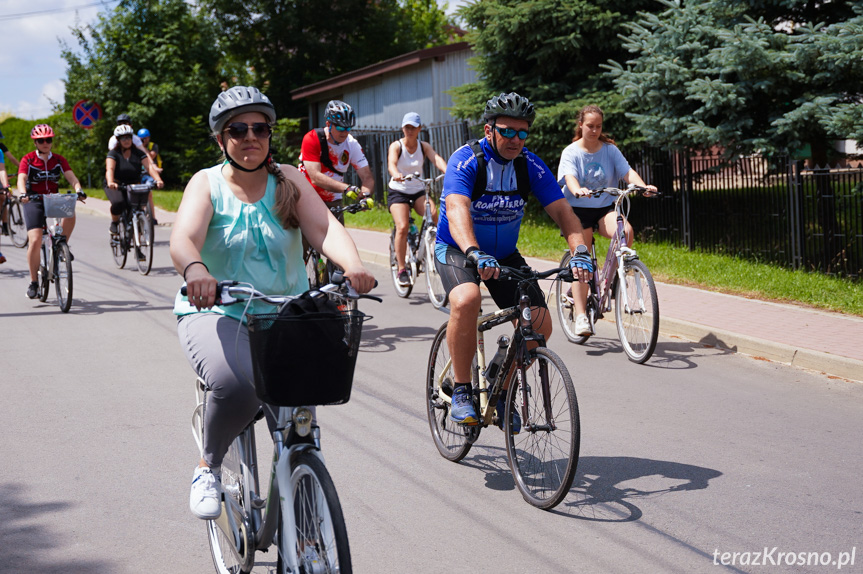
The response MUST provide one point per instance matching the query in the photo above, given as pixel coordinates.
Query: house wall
(384, 100)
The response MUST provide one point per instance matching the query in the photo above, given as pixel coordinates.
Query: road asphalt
(825, 342)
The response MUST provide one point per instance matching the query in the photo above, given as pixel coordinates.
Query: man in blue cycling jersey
(478, 231)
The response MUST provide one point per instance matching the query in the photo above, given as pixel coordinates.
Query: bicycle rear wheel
(44, 284)
(144, 243)
(17, 227)
(321, 536)
(636, 311)
(543, 457)
(63, 277)
(227, 557)
(452, 440)
(119, 245)
(566, 312)
(401, 290)
(436, 292)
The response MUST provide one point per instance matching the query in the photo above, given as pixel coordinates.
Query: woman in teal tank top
(242, 220)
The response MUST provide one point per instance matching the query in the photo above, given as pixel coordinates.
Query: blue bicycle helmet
(143, 133)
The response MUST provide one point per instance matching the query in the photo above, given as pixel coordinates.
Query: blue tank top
(246, 242)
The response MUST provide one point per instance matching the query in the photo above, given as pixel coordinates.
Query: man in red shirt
(326, 172)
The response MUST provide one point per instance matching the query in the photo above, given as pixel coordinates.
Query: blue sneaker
(516, 418)
(462, 410)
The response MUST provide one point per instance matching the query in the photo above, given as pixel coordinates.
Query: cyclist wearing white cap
(406, 156)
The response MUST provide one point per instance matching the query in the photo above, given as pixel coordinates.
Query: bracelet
(193, 263)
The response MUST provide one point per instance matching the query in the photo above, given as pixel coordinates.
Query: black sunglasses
(509, 133)
(238, 130)
(125, 137)
(44, 140)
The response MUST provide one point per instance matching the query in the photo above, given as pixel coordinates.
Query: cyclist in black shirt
(123, 165)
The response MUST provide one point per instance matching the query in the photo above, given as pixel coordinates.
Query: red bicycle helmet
(42, 131)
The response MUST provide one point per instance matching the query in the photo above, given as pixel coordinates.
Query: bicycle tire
(17, 226)
(144, 243)
(402, 291)
(453, 441)
(44, 284)
(63, 276)
(436, 292)
(637, 325)
(543, 459)
(119, 246)
(566, 313)
(226, 557)
(318, 517)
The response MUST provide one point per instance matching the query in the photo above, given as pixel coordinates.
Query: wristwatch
(581, 250)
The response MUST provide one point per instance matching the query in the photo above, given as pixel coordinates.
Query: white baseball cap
(411, 119)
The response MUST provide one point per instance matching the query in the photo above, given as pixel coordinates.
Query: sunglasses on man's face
(342, 129)
(238, 130)
(44, 140)
(510, 133)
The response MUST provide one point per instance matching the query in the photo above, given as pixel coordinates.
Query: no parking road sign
(86, 114)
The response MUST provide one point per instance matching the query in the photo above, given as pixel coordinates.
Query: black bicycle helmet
(340, 114)
(239, 99)
(510, 105)
(124, 118)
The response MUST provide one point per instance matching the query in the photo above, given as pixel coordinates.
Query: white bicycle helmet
(123, 130)
(236, 100)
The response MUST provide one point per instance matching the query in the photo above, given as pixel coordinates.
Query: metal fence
(773, 210)
(444, 138)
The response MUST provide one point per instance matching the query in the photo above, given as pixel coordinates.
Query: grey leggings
(223, 360)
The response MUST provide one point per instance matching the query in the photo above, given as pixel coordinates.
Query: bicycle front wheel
(544, 455)
(63, 277)
(436, 292)
(228, 556)
(44, 283)
(119, 246)
(144, 243)
(321, 536)
(452, 440)
(401, 290)
(636, 311)
(17, 227)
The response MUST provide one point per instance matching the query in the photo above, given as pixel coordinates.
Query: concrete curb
(831, 365)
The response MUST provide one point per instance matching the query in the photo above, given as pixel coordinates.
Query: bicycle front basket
(60, 204)
(306, 359)
(139, 193)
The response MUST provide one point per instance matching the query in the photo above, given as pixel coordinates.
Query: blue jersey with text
(496, 217)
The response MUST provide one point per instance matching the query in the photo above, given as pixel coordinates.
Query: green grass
(167, 200)
(678, 265)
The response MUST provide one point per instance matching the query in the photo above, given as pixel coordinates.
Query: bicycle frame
(292, 436)
(515, 355)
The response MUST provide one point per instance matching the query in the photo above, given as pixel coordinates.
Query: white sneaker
(205, 498)
(582, 326)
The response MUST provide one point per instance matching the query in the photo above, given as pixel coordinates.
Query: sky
(31, 67)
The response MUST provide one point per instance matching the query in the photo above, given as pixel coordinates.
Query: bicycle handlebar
(631, 189)
(526, 273)
(362, 205)
(229, 292)
(38, 196)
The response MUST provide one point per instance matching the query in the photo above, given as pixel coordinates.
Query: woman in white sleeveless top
(406, 156)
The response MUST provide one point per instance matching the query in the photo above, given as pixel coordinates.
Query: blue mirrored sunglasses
(342, 129)
(512, 132)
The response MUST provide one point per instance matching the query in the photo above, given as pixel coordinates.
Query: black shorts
(590, 216)
(34, 214)
(458, 270)
(394, 196)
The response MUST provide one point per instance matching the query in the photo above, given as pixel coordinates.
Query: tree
(156, 60)
(746, 75)
(549, 51)
(284, 44)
